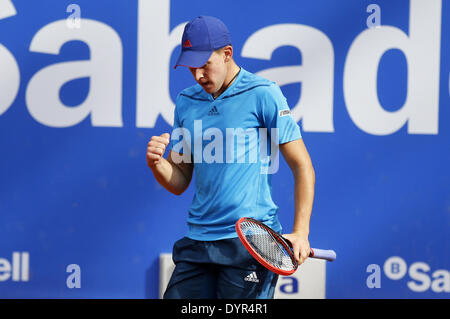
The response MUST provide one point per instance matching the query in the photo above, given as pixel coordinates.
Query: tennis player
(210, 261)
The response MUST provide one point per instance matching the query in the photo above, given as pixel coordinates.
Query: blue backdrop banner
(85, 84)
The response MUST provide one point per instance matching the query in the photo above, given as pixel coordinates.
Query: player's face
(211, 76)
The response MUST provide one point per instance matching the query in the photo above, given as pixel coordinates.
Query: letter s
(416, 274)
(10, 75)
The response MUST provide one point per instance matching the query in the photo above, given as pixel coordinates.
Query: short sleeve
(277, 115)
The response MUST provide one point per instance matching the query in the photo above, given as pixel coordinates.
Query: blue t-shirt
(227, 139)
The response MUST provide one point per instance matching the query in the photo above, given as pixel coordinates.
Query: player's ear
(228, 52)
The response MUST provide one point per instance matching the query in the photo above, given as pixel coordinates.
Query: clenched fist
(156, 148)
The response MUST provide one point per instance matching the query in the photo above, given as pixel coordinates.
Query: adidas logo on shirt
(213, 111)
(252, 277)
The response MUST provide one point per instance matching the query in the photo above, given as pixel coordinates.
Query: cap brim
(193, 59)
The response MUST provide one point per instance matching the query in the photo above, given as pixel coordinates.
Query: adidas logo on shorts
(252, 277)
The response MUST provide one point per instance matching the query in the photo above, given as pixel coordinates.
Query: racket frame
(286, 244)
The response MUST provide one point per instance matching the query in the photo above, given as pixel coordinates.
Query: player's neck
(232, 73)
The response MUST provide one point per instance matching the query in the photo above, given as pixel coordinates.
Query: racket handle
(329, 255)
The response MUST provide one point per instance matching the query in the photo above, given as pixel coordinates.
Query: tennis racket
(272, 250)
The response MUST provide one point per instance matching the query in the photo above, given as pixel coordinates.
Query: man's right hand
(156, 148)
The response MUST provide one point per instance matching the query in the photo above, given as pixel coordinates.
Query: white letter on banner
(74, 279)
(374, 279)
(9, 75)
(7, 9)
(316, 73)
(9, 79)
(422, 51)
(155, 46)
(441, 282)
(421, 281)
(104, 101)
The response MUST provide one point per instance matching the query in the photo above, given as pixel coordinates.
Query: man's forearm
(170, 176)
(304, 183)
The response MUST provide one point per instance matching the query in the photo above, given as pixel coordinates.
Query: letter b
(395, 268)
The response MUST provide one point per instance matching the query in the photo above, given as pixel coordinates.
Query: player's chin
(209, 88)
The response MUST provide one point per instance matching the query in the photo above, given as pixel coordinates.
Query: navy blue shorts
(217, 269)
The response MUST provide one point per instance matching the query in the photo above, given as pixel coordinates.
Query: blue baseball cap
(201, 37)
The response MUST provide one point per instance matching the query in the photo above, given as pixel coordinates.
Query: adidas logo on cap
(187, 44)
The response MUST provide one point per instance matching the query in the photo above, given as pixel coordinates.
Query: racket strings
(268, 246)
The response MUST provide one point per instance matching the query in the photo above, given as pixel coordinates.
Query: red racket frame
(256, 255)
